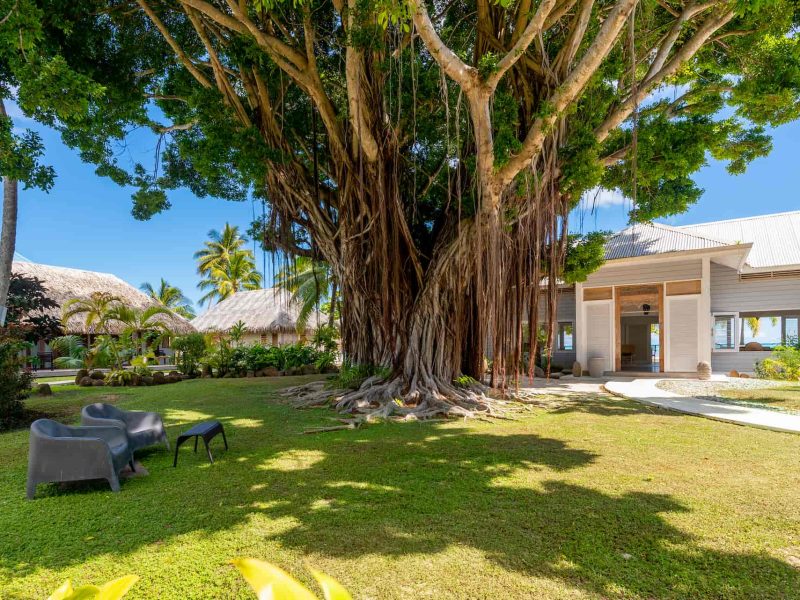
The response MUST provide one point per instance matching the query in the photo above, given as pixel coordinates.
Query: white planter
(597, 366)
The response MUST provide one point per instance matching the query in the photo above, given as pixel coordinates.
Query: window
(791, 330)
(724, 332)
(565, 337)
(765, 331)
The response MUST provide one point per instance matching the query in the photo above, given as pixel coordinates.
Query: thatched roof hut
(263, 311)
(63, 284)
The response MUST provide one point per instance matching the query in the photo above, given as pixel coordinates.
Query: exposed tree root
(379, 399)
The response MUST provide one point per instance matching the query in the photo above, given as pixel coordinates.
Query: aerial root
(394, 399)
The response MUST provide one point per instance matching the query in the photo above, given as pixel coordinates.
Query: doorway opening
(640, 328)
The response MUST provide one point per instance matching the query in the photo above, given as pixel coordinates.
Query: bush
(784, 364)
(324, 360)
(298, 355)
(324, 338)
(352, 376)
(219, 360)
(120, 377)
(189, 349)
(15, 384)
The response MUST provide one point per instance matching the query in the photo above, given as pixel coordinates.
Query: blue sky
(85, 221)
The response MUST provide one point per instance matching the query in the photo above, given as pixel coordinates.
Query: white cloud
(602, 198)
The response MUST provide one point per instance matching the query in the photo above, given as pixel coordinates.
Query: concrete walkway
(645, 391)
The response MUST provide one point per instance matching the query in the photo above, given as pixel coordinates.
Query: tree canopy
(430, 152)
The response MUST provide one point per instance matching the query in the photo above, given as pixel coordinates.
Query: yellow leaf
(114, 590)
(65, 591)
(332, 589)
(270, 582)
(85, 592)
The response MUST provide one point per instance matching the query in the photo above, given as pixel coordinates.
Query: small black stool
(206, 430)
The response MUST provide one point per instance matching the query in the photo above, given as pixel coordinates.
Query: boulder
(744, 376)
(158, 377)
(733, 373)
(308, 370)
(97, 375)
(171, 379)
(703, 370)
(538, 371)
(270, 372)
(43, 389)
(174, 373)
(577, 370)
(146, 380)
(86, 381)
(80, 375)
(98, 383)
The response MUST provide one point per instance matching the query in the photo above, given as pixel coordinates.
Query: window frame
(735, 339)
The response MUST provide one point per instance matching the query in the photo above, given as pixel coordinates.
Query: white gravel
(712, 389)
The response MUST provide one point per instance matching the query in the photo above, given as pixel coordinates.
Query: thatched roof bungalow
(270, 316)
(63, 284)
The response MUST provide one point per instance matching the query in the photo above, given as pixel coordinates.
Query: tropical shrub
(353, 375)
(298, 355)
(15, 383)
(784, 364)
(219, 359)
(189, 349)
(257, 357)
(120, 377)
(325, 360)
(70, 352)
(325, 338)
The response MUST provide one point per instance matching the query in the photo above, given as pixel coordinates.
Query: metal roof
(775, 238)
(646, 239)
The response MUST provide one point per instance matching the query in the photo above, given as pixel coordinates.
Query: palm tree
(237, 272)
(311, 284)
(220, 248)
(170, 297)
(95, 309)
(137, 322)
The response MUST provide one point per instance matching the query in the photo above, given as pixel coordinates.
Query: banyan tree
(429, 151)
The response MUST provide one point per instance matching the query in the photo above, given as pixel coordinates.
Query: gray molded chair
(60, 453)
(143, 428)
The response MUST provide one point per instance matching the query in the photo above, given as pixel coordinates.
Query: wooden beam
(684, 288)
(600, 293)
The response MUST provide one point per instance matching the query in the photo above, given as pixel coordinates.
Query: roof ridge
(751, 218)
(36, 264)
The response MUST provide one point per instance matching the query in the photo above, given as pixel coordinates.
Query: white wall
(730, 295)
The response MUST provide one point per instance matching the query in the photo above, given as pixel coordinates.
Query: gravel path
(712, 389)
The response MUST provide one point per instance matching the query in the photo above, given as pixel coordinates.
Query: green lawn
(786, 397)
(590, 498)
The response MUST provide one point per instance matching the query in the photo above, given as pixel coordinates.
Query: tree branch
(711, 25)
(196, 73)
(455, 68)
(568, 91)
(533, 29)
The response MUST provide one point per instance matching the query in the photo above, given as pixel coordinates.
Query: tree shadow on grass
(400, 490)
